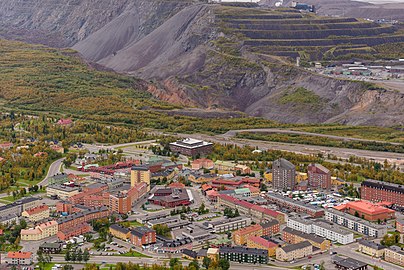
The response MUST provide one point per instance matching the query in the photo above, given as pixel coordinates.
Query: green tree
(40, 258)
(86, 255)
(224, 264)
(194, 264)
(174, 262)
(206, 262)
(79, 255)
(67, 267)
(67, 256)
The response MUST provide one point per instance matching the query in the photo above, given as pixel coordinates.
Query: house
(19, 258)
(371, 248)
(293, 237)
(240, 236)
(189, 254)
(57, 148)
(242, 169)
(119, 231)
(65, 122)
(41, 231)
(213, 254)
(244, 255)
(294, 251)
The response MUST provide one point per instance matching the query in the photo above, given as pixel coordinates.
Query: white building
(332, 232)
(354, 223)
(300, 224)
(19, 258)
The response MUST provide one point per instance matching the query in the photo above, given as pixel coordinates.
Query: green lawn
(134, 254)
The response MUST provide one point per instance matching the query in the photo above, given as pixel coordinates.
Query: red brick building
(319, 176)
(123, 201)
(140, 236)
(373, 190)
(76, 219)
(169, 197)
(270, 227)
(367, 210)
(68, 233)
(235, 183)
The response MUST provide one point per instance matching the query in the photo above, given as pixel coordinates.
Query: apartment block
(293, 237)
(283, 175)
(244, 255)
(333, 233)
(119, 231)
(41, 231)
(354, 223)
(231, 224)
(261, 243)
(240, 236)
(373, 190)
(371, 248)
(394, 254)
(140, 236)
(300, 224)
(294, 251)
(140, 174)
(19, 258)
(270, 227)
(319, 176)
(37, 213)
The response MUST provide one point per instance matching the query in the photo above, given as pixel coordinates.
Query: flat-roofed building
(140, 174)
(371, 248)
(394, 254)
(191, 147)
(230, 224)
(51, 248)
(270, 227)
(354, 223)
(283, 175)
(294, 251)
(300, 224)
(70, 232)
(61, 191)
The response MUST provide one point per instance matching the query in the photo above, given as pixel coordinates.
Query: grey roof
(383, 185)
(331, 227)
(244, 250)
(322, 168)
(177, 242)
(202, 252)
(397, 249)
(225, 221)
(140, 168)
(350, 263)
(371, 244)
(283, 164)
(63, 187)
(295, 202)
(307, 236)
(81, 214)
(269, 223)
(189, 253)
(140, 231)
(119, 228)
(293, 247)
(51, 245)
(355, 219)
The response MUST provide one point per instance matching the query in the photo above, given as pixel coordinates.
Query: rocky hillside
(195, 56)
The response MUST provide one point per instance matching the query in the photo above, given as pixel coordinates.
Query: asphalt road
(54, 168)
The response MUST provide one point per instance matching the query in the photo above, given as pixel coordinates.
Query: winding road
(54, 168)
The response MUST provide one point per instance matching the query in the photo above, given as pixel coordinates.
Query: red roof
(368, 207)
(1, 232)
(176, 185)
(65, 121)
(262, 242)
(37, 209)
(205, 187)
(249, 229)
(19, 255)
(245, 204)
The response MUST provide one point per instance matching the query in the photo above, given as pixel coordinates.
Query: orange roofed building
(198, 164)
(367, 210)
(19, 258)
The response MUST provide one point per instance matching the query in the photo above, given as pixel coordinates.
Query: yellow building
(119, 231)
(261, 243)
(61, 191)
(139, 174)
(336, 182)
(41, 231)
(213, 254)
(294, 251)
(293, 236)
(240, 236)
(268, 176)
(300, 176)
(371, 248)
(36, 214)
(394, 254)
(200, 179)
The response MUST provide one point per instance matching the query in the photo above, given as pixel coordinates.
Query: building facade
(373, 190)
(19, 258)
(354, 223)
(119, 231)
(394, 254)
(319, 176)
(191, 147)
(295, 206)
(283, 175)
(141, 236)
(371, 248)
(37, 213)
(240, 236)
(244, 255)
(140, 174)
(294, 251)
